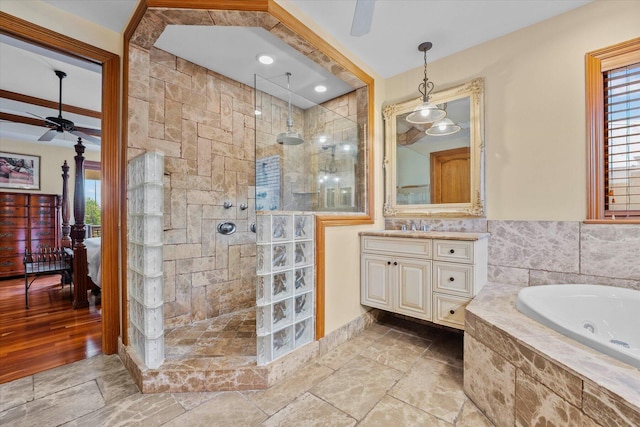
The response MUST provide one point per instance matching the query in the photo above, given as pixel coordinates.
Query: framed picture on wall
(19, 171)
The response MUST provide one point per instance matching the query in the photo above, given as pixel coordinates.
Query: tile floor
(395, 373)
(227, 335)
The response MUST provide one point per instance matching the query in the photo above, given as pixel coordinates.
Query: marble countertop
(418, 234)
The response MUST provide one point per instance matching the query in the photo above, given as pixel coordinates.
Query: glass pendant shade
(426, 113)
(443, 127)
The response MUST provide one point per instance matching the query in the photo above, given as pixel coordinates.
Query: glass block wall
(145, 282)
(285, 292)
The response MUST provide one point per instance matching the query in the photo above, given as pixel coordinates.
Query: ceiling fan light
(442, 128)
(426, 113)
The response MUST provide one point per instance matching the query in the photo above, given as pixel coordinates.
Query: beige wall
(45, 15)
(534, 107)
(51, 159)
(529, 72)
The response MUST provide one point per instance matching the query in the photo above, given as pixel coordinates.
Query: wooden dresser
(27, 222)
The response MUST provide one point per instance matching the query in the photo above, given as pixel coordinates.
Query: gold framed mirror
(429, 169)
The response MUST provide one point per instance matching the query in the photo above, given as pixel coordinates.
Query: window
(92, 194)
(613, 132)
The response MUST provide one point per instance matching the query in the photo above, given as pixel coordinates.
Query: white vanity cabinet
(427, 275)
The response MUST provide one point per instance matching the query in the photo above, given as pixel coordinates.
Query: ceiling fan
(362, 17)
(60, 124)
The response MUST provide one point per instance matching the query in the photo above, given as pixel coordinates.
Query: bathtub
(604, 318)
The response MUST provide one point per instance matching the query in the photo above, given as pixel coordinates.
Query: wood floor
(50, 333)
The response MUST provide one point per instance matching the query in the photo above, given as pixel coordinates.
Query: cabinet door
(375, 281)
(413, 278)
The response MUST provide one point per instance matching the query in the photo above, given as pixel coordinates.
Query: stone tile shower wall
(144, 272)
(544, 252)
(285, 288)
(204, 124)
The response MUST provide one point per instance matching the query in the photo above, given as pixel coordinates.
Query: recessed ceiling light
(320, 88)
(257, 112)
(265, 59)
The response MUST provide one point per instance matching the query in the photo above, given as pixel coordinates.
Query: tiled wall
(544, 252)
(204, 124)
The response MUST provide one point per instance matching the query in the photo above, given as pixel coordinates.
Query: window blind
(622, 141)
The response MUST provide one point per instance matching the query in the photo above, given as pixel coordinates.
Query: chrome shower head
(289, 137)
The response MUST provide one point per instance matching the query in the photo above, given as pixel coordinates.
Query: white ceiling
(399, 26)
(390, 47)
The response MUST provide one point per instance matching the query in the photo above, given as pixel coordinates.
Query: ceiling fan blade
(362, 17)
(45, 119)
(84, 136)
(89, 131)
(48, 135)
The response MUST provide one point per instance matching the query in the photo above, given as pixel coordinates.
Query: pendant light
(443, 127)
(426, 112)
(289, 137)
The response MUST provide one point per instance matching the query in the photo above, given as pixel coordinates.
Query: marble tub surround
(545, 252)
(392, 373)
(518, 372)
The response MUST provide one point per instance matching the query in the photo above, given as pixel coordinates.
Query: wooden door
(451, 176)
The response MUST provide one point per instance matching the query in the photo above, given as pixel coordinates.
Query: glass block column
(145, 283)
(285, 289)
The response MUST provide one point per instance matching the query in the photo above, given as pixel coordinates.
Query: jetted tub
(605, 318)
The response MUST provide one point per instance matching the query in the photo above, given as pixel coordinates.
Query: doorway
(111, 173)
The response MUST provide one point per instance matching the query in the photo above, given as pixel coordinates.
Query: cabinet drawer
(392, 246)
(43, 233)
(13, 248)
(37, 211)
(37, 245)
(37, 200)
(9, 235)
(20, 211)
(42, 221)
(13, 222)
(453, 278)
(11, 265)
(448, 310)
(453, 250)
(13, 199)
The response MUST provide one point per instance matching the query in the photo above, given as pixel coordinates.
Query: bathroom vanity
(426, 275)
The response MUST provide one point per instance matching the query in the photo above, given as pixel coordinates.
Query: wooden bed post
(78, 233)
(66, 228)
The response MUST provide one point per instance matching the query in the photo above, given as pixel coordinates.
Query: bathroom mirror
(436, 175)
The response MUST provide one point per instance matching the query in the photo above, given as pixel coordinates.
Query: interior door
(451, 175)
